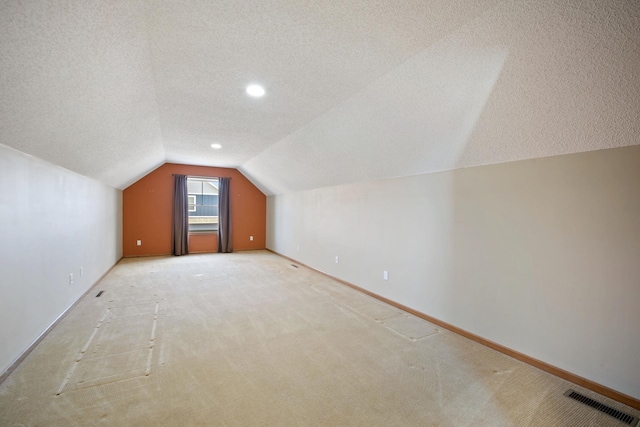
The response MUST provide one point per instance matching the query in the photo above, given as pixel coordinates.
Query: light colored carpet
(245, 339)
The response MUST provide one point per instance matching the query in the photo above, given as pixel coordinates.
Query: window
(191, 201)
(203, 204)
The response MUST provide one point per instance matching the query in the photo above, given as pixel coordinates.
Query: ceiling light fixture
(256, 91)
(216, 146)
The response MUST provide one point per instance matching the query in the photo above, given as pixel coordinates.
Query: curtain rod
(200, 177)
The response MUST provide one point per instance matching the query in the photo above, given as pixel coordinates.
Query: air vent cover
(625, 418)
(99, 293)
(293, 265)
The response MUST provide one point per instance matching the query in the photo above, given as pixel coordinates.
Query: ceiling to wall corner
(355, 91)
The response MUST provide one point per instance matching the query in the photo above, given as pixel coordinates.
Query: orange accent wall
(147, 210)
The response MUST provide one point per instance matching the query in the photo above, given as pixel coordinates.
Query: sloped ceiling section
(523, 80)
(76, 87)
(310, 56)
(356, 91)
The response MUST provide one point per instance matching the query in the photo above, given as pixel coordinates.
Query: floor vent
(293, 265)
(99, 293)
(625, 418)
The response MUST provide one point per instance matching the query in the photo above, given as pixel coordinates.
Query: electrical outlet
(81, 271)
(139, 242)
(71, 279)
(385, 275)
(336, 259)
(251, 238)
(297, 247)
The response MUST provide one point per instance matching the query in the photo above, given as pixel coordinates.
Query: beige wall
(541, 256)
(52, 223)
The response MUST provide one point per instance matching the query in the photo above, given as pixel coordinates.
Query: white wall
(541, 256)
(52, 222)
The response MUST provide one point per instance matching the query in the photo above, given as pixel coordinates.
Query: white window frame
(193, 198)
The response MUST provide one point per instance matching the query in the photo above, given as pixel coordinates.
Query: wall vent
(293, 265)
(625, 418)
(99, 293)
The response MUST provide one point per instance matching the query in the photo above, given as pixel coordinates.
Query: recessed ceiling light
(255, 90)
(216, 146)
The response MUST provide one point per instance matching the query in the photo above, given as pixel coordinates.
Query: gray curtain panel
(180, 229)
(224, 216)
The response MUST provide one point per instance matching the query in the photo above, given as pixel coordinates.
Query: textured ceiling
(356, 90)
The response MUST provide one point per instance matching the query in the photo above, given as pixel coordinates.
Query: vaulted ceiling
(356, 90)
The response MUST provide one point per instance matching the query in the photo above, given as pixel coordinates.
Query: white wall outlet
(385, 275)
(139, 242)
(336, 259)
(71, 279)
(297, 247)
(251, 238)
(81, 271)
